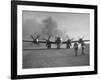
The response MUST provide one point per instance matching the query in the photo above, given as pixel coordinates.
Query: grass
(44, 58)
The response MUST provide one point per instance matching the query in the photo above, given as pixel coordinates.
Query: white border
(21, 71)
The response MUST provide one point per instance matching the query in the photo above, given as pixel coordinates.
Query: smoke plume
(45, 28)
(51, 28)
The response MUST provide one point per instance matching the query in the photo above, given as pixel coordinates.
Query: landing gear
(68, 46)
(58, 46)
(49, 46)
(58, 41)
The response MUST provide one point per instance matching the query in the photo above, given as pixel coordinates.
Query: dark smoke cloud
(45, 27)
(51, 28)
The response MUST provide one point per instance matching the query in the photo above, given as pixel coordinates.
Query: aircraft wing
(78, 41)
(27, 41)
(86, 40)
(43, 41)
(64, 42)
(74, 41)
(53, 42)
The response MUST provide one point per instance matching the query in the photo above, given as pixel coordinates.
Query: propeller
(72, 39)
(35, 40)
(37, 36)
(81, 39)
(69, 39)
(32, 37)
(49, 37)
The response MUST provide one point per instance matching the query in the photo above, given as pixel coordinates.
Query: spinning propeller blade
(82, 37)
(49, 37)
(37, 36)
(32, 37)
(72, 39)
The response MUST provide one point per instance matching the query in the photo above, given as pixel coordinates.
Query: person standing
(82, 47)
(76, 48)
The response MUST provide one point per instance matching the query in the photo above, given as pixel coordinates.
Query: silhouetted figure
(76, 48)
(83, 47)
(68, 44)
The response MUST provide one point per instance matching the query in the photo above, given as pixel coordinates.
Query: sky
(75, 25)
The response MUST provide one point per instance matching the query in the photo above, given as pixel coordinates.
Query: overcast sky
(74, 24)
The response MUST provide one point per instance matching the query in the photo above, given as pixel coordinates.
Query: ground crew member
(76, 48)
(82, 47)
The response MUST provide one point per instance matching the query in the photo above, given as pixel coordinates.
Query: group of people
(76, 48)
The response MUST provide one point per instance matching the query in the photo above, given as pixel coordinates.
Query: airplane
(81, 40)
(47, 42)
(68, 43)
(34, 40)
(37, 41)
(57, 41)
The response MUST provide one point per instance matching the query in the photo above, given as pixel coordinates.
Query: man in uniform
(76, 48)
(83, 47)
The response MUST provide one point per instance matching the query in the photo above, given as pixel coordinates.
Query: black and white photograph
(53, 39)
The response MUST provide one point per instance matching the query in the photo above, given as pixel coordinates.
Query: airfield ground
(43, 58)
